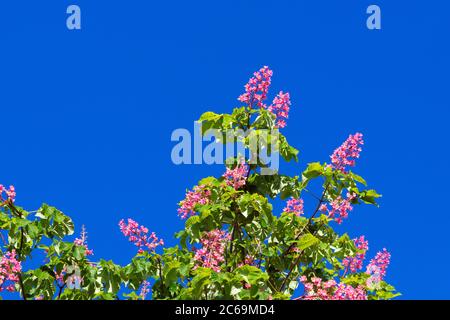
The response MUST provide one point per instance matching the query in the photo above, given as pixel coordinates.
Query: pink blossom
(346, 154)
(379, 263)
(323, 208)
(140, 236)
(375, 276)
(280, 107)
(355, 263)
(347, 292)
(294, 206)
(10, 269)
(316, 281)
(198, 196)
(237, 177)
(256, 93)
(248, 260)
(82, 241)
(145, 289)
(340, 207)
(59, 277)
(10, 193)
(257, 88)
(318, 289)
(211, 254)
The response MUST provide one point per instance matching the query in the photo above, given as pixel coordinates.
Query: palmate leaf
(54, 222)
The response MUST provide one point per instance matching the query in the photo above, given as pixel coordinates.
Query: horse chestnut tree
(233, 246)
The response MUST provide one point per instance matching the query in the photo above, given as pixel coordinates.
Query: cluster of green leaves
(245, 125)
(267, 253)
(40, 235)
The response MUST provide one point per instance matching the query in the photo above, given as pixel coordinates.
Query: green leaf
(313, 170)
(54, 222)
(191, 221)
(208, 116)
(286, 151)
(358, 178)
(307, 241)
(369, 196)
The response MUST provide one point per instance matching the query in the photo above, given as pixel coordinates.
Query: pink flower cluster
(248, 260)
(237, 177)
(211, 254)
(256, 92)
(10, 193)
(257, 88)
(355, 263)
(10, 269)
(340, 207)
(294, 206)
(59, 277)
(346, 154)
(379, 264)
(347, 292)
(82, 241)
(198, 196)
(318, 289)
(140, 236)
(145, 289)
(280, 107)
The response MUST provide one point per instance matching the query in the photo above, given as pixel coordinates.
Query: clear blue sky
(86, 116)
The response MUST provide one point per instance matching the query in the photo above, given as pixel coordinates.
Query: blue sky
(86, 116)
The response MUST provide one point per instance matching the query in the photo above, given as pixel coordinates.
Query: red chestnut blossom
(323, 208)
(198, 196)
(82, 241)
(256, 92)
(10, 193)
(237, 177)
(355, 263)
(257, 88)
(59, 277)
(248, 260)
(280, 107)
(347, 292)
(294, 206)
(140, 236)
(145, 289)
(340, 207)
(377, 268)
(318, 289)
(346, 154)
(10, 269)
(211, 254)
